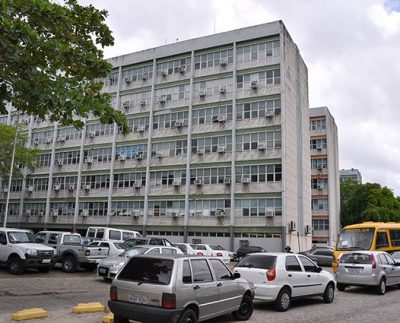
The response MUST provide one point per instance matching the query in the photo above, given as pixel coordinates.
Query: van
(111, 234)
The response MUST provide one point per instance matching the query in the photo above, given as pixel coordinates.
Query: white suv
(18, 251)
(281, 277)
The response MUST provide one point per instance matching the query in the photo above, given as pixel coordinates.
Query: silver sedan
(367, 268)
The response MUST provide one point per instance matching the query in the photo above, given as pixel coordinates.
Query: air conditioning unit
(122, 158)
(254, 85)
(56, 187)
(124, 213)
(139, 157)
(176, 183)
(54, 214)
(128, 79)
(269, 114)
(215, 118)
(126, 105)
(59, 163)
(261, 146)
(142, 103)
(245, 180)
(222, 90)
(320, 187)
(92, 134)
(143, 77)
(163, 73)
(319, 148)
(307, 229)
(36, 142)
(269, 213)
(175, 214)
(5, 190)
(320, 169)
(198, 181)
(162, 99)
(202, 94)
(182, 69)
(30, 189)
(292, 226)
(221, 118)
(85, 213)
(221, 149)
(199, 213)
(89, 160)
(61, 138)
(87, 187)
(227, 181)
(223, 62)
(40, 214)
(71, 188)
(200, 151)
(220, 213)
(179, 124)
(141, 129)
(49, 140)
(135, 213)
(28, 212)
(138, 186)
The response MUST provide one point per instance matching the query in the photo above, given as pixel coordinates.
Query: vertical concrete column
(79, 178)
(233, 162)
(148, 159)
(189, 152)
(50, 187)
(113, 150)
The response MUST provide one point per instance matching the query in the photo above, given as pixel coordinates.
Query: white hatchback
(281, 277)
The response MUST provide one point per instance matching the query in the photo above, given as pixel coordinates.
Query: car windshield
(356, 258)
(217, 248)
(181, 246)
(198, 247)
(120, 245)
(258, 261)
(357, 238)
(396, 255)
(133, 252)
(20, 237)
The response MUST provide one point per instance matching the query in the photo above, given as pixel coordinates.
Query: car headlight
(118, 265)
(31, 252)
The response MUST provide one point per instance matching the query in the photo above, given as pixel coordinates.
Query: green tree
(367, 202)
(23, 156)
(51, 61)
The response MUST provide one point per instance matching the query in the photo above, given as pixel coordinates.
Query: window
(327, 253)
(53, 238)
(154, 251)
(390, 260)
(292, 264)
(100, 234)
(355, 258)
(168, 251)
(257, 261)
(71, 239)
(201, 271)
(186, 273)
(114, 235)
(220, 270)
(382, 259)
(395, 237)
(40, 237)
(381, 240)
(308, 265)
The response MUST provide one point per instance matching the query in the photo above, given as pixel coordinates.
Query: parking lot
(58, 292)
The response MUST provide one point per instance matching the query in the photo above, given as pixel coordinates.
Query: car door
(227, 286)
(322, 257)
(106, 245)
(205, 288)
(313, 277)
(296, 277)
(395, 270)
(3, 247)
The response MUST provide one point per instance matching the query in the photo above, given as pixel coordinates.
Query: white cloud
(351, 48)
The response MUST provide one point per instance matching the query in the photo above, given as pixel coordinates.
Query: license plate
(138, 299)
(46, 261)
(102, 271)
(354, 270)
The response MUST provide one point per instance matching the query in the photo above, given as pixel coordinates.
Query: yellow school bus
(384, 236)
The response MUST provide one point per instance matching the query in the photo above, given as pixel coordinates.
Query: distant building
(325, 188)
(351, 174)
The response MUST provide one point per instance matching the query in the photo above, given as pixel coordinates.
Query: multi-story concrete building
(325, 201)
(218, 153)
(350, 174)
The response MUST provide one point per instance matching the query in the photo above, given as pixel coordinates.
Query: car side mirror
(236, 275)
(318, 269)
(397, 264)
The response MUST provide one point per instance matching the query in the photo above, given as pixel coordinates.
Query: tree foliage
(367, 202)
(23, 156)
(50, 63)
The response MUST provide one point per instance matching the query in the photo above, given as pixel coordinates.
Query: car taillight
(168, 300)
(87, 252)
(271, 274)
(113, 293)
(219, 254)
(200, 254)
(373, 261)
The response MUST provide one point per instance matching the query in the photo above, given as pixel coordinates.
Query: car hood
(36, 246)
(108, 262)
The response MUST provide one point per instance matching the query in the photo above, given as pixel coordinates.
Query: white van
(110, 234)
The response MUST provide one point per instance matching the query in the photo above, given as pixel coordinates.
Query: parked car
(110, 234)
(277, 278)
(149, 241)
(322, 256)
(244, 250)
(201, 249)
(174, 288)
(186, 248)
(18, 251)
(109, 267)
(71, 253)
(367, 268)
(114, 248)
(218, 251)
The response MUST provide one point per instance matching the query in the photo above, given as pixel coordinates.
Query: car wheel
(329, 294)
(69, 265)
(45, 269)
(381, 288)
(245, 309)
(341, 287)
(120, 319)
(188, 316)
(282, 302)
(15, 266)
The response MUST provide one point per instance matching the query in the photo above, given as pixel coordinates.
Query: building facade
(325, 200)
(218, 150)
(350, 174)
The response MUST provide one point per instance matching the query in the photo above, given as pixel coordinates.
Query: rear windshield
(181, 246)
(72, 239)
(258, 261)
(198, 247)
(149, 271)
(355, 258)
(217, 248)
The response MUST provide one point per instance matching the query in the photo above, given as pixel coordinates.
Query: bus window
(91, 232)
(100, 234)
(114, 235)
(381, 240)
(395, 237)
(127, 235)
(357, 238)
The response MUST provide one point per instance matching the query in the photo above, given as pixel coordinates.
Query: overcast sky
(351, 48)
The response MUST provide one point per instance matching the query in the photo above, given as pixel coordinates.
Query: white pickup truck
(71, 253)
(18, 251)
